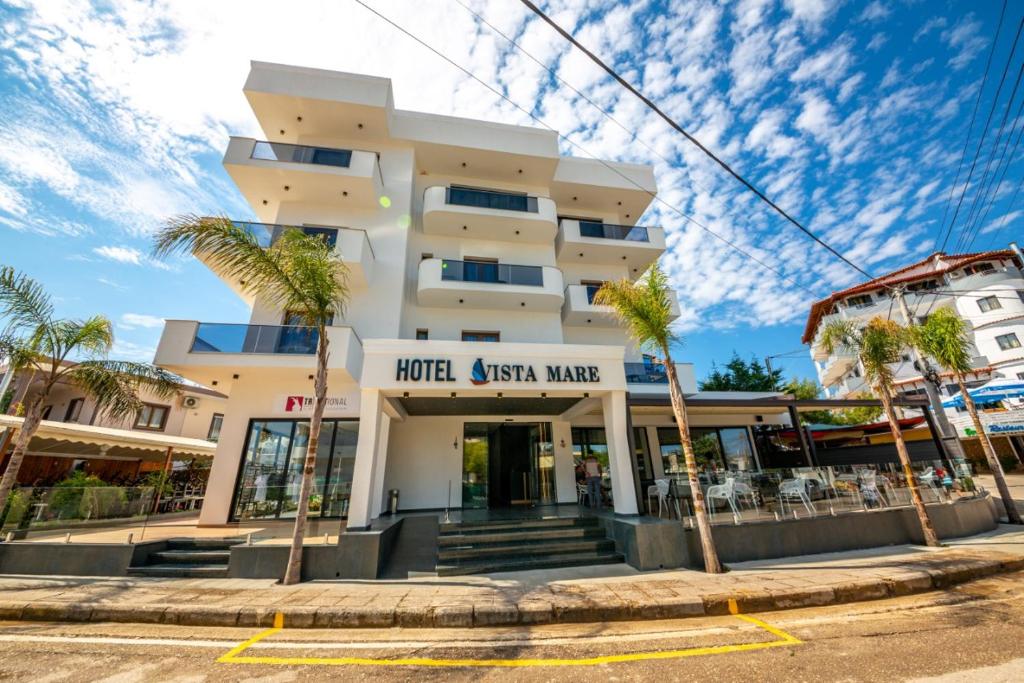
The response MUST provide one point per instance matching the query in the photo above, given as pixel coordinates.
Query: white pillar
(620, 460)
(382, 459)
(371, 415)
(220, 486)
(565, 469)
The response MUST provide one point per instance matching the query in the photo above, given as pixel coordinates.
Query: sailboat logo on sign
(479, 374)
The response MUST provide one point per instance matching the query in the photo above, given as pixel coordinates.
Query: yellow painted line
(235, 655)
(241, 647)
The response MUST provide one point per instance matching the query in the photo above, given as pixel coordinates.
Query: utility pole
(931, 387)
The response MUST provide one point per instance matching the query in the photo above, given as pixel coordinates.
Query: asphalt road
(974, 632)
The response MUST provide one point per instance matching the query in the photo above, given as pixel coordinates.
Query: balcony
(213, 352)
(275, 172)
(352, 245)
(488, 214)
(646, 373)
(837, 365)
(580, 309)
(492, 286)
(633, 246)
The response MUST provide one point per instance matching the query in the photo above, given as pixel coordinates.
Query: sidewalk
(589, 594)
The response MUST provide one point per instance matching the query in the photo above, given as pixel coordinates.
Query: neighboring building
(986, 289)
(471, 368)
(193, 414)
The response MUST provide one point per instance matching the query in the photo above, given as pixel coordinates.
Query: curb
(530, 611)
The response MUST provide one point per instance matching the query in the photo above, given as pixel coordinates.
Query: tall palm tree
(877, 345)
(644, 309)
(944, 337)
(33, 339)
(297, 273)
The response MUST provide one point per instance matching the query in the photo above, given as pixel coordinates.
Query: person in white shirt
(592, 468)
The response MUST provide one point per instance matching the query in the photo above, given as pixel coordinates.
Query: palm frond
(91, 337)
(115, 385)
(944, 337)
(24, 304)
(644, 308)
(839, 335)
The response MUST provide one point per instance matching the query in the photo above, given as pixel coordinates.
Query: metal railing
(495, 273)
(646, 373)
(242, 338)
(52, 509)
(268, 233)
(490, 199)
(301, 154)
(609, 231)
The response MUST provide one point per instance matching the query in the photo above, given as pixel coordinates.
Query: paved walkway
(593, 594)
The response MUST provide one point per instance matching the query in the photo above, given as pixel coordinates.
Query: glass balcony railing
(591, 292)
(646, 373)
(302, 154)
(242, 338)
(494, 273)
(268, 233)
(608, 231)
(490, 199)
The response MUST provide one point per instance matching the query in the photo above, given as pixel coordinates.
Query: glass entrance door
(507, 464)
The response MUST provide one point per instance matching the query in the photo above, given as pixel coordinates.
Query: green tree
(741, 375)
(878, 345)
(945, 338)
(644, 310)
(298, 273)
(33, 338)
(807, 389)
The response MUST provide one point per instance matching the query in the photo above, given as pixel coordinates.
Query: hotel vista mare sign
(440, 370)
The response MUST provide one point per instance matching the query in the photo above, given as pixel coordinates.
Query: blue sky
(851, 115)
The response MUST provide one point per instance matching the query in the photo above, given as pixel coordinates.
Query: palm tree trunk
(901, 450)
(707, 541)
(293, 573)
(29, 425)
(1012, 514)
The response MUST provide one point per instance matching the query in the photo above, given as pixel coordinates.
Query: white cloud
(130, 321)
(126, 350)
(964, 38)
(875, 11)
(129, 255)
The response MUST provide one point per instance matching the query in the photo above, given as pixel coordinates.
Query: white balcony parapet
(489, 214)
(580, 309)
(275, 172)
(495, 286)
(636, 247)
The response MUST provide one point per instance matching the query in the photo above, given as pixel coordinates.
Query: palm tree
(645, 311)
(34, 339)
(877, 345)
(297, 273)
(944, 337)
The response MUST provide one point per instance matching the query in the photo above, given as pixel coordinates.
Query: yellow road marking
(235, 655)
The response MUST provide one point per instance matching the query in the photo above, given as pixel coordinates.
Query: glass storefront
(507, 464)
(715, 449)
(271, 471)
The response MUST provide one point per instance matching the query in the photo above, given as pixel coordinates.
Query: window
(1020, 375)
(590, 441)
(989, 303)
(859, 301)
(1020, 294)
(296, 336)
(46, 412)
(215, 424)
(592, 287)
(641, 453)
(1008, 341)
(715, 448)
(468, 336)
(422, 334)
(74, 410)
(152, 417)
(979, 268)
(922, 286)
(328, 235)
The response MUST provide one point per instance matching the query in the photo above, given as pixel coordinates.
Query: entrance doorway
(507, 465)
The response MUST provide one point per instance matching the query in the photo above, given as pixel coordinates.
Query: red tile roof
(938, 263)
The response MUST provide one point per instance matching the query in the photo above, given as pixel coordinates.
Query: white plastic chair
(795, 489)
(581, 493)
(869, 487)
(660, 489)
(726, 492)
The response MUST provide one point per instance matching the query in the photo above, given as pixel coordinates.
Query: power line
(970, 128)
(981, 140)
(671, 122)
(604, 163)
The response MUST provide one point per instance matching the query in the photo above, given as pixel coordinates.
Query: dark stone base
(75, 559)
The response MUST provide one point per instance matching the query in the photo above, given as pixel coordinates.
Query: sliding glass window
(715, 449)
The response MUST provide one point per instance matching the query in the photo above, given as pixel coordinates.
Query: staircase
(190, 558)
(516, 545)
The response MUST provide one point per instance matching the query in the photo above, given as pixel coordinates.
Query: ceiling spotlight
(264, 202)
(499, 394)
(344, 193)
(234, 376)
(463, 164)
(588, 321)
(310, 377)
(282, 131)
(520, 171)
(298, 118)
(359, 126)
(543, 394)
(287, 187)
(620, 203)
(214, 382)
(405, 394)
(522, 303)
(574, 198)
(460, 301)
(586, 394)
(453, 394)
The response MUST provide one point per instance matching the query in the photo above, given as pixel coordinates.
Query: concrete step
(459, 555)
(202, 543)
(510, 537)
(181, 571)
(462, 528)
(526, 563)
(191, 557)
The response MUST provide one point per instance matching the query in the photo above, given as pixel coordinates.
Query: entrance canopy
(61, 439)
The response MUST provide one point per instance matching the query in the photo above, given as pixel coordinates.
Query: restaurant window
(642, 453)
(271, 473)
(590, 441)
(468, 336)
(714, 448)
(422, 334)
(216, 422)
(989, 303)
(1008, 341)
(74, 410)
(152, 417)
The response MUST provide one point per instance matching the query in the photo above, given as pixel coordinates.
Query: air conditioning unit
(190, 402)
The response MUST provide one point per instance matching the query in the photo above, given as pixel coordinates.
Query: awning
(992, 391)
(76, 440)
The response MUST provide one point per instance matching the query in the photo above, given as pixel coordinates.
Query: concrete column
(657, 466)
(565, 470)
(371, 415)
(620, 459)
(379, 500)
(220, 487)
